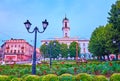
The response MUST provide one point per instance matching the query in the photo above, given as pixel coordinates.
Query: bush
(4, 78)
(100, 78)
(25, 76)
(16, 79)
(66, 77)
(62, 71)
(50, 77)
(31, 78)
(40, 78)
(84, 77)
(115, 77)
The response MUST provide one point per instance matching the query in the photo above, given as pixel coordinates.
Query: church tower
(66, 28)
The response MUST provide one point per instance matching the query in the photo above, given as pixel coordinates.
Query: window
(18, 51)
(22, 51)
(7, 47)
(19, 45)
(65, 24)
(83, 44)
(65, 34)
(14, 51)
(7, 51)
(22, 47)
(11, 51)
(84, 50)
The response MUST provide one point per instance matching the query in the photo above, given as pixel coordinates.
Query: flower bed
(94, 68)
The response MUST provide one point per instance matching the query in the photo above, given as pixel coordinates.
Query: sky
(84, 16)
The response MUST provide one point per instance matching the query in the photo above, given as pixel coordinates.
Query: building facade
(66, 39)
(17, 50)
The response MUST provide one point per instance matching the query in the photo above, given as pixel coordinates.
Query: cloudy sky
(84, 16)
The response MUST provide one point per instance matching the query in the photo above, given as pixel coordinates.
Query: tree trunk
(100, 58)
(97, 57)
(108, 58)
(116, 56)
(104, 57)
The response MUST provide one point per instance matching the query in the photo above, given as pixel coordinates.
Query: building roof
(16, 40)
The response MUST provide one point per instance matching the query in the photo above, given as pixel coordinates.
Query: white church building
(66, 39)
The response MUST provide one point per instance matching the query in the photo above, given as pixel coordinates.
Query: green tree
(64, 50)
(101, 41)
(114, 18)
(72, 49)
(44, 50)
(95, 44)
(54, 48)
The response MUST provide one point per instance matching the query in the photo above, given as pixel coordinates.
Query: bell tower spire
(66, 28)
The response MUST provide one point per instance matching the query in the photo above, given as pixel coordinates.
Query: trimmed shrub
(100, 78)
(66, 77)
(40, 78)
(31, 78)
(25, 76)
(50, 77)
(16, 79)
(84, 77)
(115, 77)
(4, 78)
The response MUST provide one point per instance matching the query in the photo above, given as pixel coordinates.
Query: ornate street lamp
(50, 46)
(28, 25)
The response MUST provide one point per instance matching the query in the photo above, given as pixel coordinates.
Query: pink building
(66, 39)
(18, 50)
(1, 54)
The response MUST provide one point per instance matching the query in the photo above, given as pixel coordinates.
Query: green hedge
(66, 77)
(100, 78)
(115, 77)
(31, 78)
(63, 77)
(4, 78)
(16, 79)
(84, 77)
(50, 77)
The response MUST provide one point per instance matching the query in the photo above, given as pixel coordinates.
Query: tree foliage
(101, 41)
(54, 48)
(44, 50)
(114, 15)
(114, 18)
(64, 50)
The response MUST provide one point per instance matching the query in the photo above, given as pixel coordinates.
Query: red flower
(62, 62)
(110, 64)
(0, 69)
(44, 72)
(75, 70)
(57, 67)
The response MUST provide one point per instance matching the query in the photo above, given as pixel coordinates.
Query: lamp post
(76, 52)
(28, 25)
(115, 42)
(50, 46)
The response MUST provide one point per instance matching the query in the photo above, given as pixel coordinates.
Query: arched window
(65, 34)
(65, 24)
